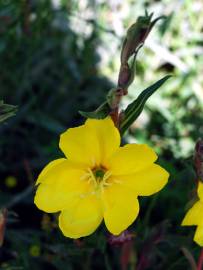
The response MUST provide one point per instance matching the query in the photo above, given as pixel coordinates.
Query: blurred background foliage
(61, 56)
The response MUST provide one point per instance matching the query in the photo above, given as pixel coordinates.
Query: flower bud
(124, 76)
(136, 36)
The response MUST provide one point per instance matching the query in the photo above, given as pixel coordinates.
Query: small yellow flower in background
(35, 250)
(98, 180)
(195, 216)
(11, 182)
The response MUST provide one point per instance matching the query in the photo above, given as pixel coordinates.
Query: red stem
(120, 92)
(200, 261)
(115, 116)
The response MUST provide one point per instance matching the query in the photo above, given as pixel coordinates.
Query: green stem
(107, 262)
(149, 210)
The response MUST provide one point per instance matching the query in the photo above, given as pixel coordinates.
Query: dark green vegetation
(51, 68)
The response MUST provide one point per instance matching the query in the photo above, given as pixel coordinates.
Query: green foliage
(136, 107)
(6, 111)
(100, 113)
(50, 72)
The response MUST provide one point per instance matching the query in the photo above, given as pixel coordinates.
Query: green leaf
(100, 113)
(6, 111)
(135, 108)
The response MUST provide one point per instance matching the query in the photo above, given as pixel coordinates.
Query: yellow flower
(98, 180)
(35, 250)
(11, 181)
(195, 216)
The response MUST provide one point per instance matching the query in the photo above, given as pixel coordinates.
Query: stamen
(117, 181)
(85, 176)
(106, 175)
(92, 177)
(105, 184)
(93, 162)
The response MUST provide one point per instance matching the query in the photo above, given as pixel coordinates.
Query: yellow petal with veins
(131, 158)
(59, 185)
(145, 182)
(198, 238)
(48, 167)
(91, 143)
(194, 216)
(121, 208)
(200, 190)
(82, 218)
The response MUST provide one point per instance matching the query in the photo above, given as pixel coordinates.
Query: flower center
(98, 174)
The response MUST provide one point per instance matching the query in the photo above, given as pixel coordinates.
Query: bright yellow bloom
(195, 216)
(98, 180)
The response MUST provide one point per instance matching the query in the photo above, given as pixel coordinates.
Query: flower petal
(146, 182)
(131, 158)
(59, 185)
(121, 208)
(198, 238)
(107, 135)
(91, 143)
(194, 216)
(80, 145)
(48, 167)
(82, 218)
(200, 190)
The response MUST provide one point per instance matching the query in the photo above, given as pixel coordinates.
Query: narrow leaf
(135, 108)
(6, 111)
(100, 113)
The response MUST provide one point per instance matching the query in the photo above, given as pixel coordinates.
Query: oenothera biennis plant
(99, 179)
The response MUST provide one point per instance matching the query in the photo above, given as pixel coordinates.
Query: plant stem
(115, 116)
(200, 261)
(118, 94)
(190, 258)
